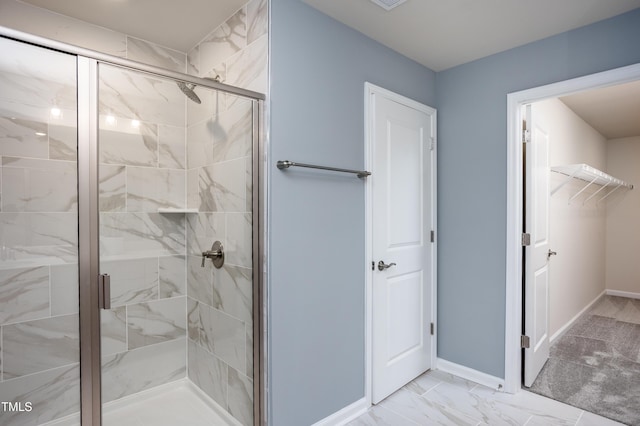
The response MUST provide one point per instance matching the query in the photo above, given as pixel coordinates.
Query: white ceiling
(613, 111)
(438, 34)
(178, 24)
(441, 34)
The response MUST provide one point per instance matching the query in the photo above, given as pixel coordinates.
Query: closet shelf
(591, 176)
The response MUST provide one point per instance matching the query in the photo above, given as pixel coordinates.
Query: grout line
(528, 420)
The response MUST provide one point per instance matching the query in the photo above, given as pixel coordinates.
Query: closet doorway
(581, 282)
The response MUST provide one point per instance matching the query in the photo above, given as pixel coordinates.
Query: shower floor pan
(176, 403)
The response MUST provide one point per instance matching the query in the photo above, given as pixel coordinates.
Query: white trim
(470, 374)
(619, 293)
(565, 327)
(369, 90)
(513, 308)
(347, 414)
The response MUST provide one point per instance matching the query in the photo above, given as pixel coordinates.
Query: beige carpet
(595, 365)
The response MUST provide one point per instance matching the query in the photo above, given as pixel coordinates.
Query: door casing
(368, 163)
(514, 266)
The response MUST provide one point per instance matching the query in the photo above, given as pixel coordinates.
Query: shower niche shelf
(172, 210)
(590, 176)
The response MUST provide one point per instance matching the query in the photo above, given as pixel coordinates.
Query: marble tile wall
(142, 170)
(219, 185)
(39, 339)
(152, 156)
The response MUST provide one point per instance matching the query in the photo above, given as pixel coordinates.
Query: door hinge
(373, 265)
(526, 136)
(433, 144)
(433, 329)
(433, 236)
(526, 239)
(525, 342)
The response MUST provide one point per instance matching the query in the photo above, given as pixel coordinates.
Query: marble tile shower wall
(167, 311)
(219, 185)
(39, 340)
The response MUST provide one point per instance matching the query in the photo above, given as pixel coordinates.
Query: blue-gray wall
(472, 159)
(318, 70)
(317, 263)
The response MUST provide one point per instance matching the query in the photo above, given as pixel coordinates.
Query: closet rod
(286, 164)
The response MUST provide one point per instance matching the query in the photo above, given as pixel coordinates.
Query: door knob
(382, 266)
(551, 253)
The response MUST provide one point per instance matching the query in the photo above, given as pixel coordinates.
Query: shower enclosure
(130, 236)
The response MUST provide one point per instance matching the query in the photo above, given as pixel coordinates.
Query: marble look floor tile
(543, 409)
(471, 404)
(423, 383)
(425, 411)
(590, 419)
(380, 416)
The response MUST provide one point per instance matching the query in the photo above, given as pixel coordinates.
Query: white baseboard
(628, 294)
(470, 374)
(344, 416)
(565, 327)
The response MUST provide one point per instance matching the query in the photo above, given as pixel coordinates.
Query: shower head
(187, 89)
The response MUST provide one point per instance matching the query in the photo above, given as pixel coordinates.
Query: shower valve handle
(216, 254)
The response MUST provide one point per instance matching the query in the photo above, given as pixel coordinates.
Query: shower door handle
(104, 291)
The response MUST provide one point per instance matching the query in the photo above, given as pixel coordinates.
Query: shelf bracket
(583, 189)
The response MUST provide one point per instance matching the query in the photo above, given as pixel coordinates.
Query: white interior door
(536, 291)
(401, 135)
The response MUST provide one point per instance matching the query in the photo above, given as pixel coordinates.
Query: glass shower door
(175, 178)
(39, 305)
